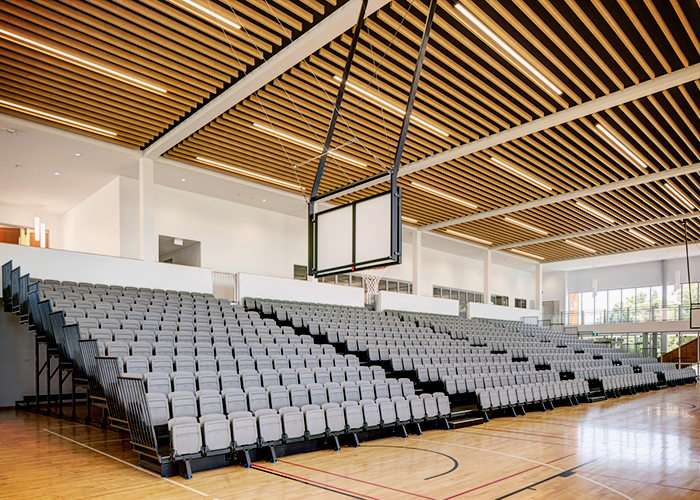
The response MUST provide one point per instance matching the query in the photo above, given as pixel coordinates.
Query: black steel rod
(414, 89)
(338, 101)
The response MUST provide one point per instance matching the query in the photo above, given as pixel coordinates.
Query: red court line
(311, 481)
(638, 481)
(508, 477)
(358, 480)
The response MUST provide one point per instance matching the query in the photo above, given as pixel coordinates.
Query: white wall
(72, 266)
(129, 217)
(512, 283)
(408, 302)
(268, 287)
(449, 270)
(93, 226)
(476, 310)
(235, 237)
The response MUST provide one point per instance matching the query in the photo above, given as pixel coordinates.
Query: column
(655, 344)
(664, 343)
(538, 287)
(645, 345)
(147, 238)
(417, 257)
(487, 277)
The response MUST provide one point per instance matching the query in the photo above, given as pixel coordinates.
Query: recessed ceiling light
(408, 219)
(462, 235)
(264, 199)
(623, 149)
(680, 197)
(507, 48)
(639, 235)
(56, 173)
(521, 174)
(77, 60)
(526, 226)
(526, 254)
(200, 9)
(582, 247)
(391, 107)
(77, 154)
(444, 195)
(55, 118)
(308, 145)
(183, 180)
(595, 212)
(248, 173)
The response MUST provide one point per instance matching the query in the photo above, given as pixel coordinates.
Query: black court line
(566, 473)
(307, 483)
(456, 463)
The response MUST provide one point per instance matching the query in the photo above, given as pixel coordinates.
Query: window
(499, 300)
(521, 303)
(300, 273)
(461, 295)
(355, 280)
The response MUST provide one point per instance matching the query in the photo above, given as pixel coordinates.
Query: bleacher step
(465, 422)
(595, 399)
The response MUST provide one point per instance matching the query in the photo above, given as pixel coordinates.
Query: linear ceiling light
(582, 247)
(680, 197)
(444, 195)
(531, 255)
(639, 235)
(505, 47)
(623, 149)
(526, 226)
(55, 118)
(408, 219)
(207, 12)
(249, 173)
(77, 60)
(595, 212)
(461, 235)
(391, 107)
(521, 174)
(306, 144)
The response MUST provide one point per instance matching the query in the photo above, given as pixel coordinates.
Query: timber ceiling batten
(135, 67)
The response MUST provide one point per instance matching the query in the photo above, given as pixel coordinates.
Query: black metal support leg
(273, 455)
(353, 440)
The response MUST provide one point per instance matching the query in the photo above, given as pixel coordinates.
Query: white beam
(487, 277)
(318, 36)
(572, 195)
(146, 211)
(623, 96)
(606, 229)
(417, 257)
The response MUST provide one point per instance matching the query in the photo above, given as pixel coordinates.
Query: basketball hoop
(371, 278)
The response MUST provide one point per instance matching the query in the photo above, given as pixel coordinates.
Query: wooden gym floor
(644, 446)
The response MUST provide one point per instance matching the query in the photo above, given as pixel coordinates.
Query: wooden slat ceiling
(162, 43)
(470, 88)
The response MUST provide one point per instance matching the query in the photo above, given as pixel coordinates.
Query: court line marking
(142, 469)
(640, 481)
(335, 489)
(455, 462)
(507, 477)
(523, 458)
(353, 479)
(532, 485)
